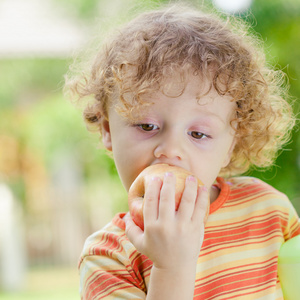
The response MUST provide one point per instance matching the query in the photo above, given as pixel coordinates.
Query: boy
(180, 87)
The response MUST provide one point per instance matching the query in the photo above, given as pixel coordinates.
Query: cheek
(129, 161)
(228, 153)
(209, 165)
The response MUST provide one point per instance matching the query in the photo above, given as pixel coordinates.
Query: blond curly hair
(138, 58)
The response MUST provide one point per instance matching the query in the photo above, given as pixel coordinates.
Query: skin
(186, 131)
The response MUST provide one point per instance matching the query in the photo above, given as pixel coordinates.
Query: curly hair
(137, 59)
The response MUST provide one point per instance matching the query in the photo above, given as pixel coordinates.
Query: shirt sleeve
(111, 268)
(290, 223)
(293, 225)
(104, 278)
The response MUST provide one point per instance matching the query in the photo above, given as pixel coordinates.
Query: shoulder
(255, 194)
(251, 185)
(109, 263)
(253, 198)
(110, 244)
(107, 241)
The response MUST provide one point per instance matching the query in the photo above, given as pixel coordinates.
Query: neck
(214, 193)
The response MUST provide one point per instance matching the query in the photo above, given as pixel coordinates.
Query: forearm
(176, 284)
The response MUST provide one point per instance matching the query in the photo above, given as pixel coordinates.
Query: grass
(47, 284)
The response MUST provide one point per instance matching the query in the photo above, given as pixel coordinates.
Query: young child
(184, 88)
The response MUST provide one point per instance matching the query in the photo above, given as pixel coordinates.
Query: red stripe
(108, 281)
(244, 294)
(237, 202)
(239, 245)
(260, 266)
(254, 228)
(242, 223)
(237, 281)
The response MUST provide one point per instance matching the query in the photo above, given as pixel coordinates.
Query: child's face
(182, 131)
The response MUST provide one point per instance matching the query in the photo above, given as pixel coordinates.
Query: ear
(106, 136)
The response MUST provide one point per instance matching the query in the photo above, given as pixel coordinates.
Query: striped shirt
(247, 224)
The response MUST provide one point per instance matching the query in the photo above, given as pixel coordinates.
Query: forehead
(193, 86)
(191, 82)
(181, 86)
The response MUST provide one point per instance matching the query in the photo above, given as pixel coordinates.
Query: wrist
(176, 274)
(182, 268)
(180, 265)
(172, 283)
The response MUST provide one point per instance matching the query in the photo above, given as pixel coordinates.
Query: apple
(137, 189)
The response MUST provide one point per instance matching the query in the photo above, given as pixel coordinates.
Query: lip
(169, 164)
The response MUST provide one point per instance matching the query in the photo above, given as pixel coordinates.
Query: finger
(167, 197)
(201, 206)
(188, 199)
(133, 232)
(151, 200)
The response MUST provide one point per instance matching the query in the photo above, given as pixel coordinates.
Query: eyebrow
(209, 114)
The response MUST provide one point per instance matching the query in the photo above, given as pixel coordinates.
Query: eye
(148, 127)
(197, 135)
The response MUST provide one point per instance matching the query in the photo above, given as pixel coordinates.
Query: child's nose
(170, 147)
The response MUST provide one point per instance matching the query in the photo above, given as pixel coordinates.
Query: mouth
(169, 165)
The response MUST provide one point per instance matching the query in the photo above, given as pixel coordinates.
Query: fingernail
(169, 174)
(204, 188)
(191, 178)
(155, 178)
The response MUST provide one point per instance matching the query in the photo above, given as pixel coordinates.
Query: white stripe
(219, 260)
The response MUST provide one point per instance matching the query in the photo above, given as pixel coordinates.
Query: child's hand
(171, 239)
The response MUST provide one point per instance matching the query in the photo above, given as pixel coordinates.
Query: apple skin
(137, 189)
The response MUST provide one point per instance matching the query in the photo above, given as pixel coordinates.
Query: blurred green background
(57, 185)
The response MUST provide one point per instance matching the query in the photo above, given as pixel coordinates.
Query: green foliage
(25, 81)
(278, 23)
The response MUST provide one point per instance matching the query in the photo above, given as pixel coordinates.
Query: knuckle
(149, 198)
(188, 197)
(152, 230)
(158, 228)
(164, 198)
(128, 233)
